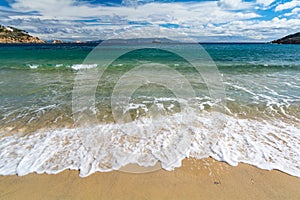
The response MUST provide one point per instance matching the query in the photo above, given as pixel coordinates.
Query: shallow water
(257, 122)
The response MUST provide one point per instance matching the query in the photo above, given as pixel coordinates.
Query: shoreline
(195, 179)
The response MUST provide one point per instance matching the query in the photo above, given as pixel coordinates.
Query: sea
(99, 107)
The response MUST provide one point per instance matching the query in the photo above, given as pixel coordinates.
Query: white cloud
(265, 2)
(135, 3)
(193, 20)
(234, 4)
(288, 5)
(295, 11)
(152, 12)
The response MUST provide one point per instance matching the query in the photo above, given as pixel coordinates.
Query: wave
(267, 144)
(50, 67)
(223, 67)
(256, 67)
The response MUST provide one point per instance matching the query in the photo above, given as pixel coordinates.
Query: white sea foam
(59, 65)
(83, 66)
(33, 66)
(106, 147)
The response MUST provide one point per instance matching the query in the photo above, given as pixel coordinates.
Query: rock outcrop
(57, 41)
(290, 39)
(13, 35)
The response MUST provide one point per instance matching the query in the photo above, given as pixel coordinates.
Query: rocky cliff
(290, 39)
(14, 35)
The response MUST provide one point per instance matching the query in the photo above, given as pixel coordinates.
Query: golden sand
(196, 179)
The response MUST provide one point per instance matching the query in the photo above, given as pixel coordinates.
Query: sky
(192, 20)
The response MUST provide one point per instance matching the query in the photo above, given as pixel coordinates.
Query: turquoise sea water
(260, 111)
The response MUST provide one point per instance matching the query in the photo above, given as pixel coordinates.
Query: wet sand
(196, 179)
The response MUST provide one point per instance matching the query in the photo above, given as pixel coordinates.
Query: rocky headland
(13, 35)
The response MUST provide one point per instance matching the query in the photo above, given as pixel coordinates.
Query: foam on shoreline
(265, 144)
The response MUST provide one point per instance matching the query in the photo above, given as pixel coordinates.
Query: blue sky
(204, 21)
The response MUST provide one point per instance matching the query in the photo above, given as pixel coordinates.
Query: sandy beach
(196, 179)
(206, 92)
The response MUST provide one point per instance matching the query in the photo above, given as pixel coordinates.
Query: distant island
(290, 39)
(13, 35)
